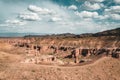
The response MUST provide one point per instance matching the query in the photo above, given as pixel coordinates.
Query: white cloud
(4, 25)
(115, 16)
(64, 20)
(117, 1)
(88, 24)
(113, 12)
(91, 15)
(87, 14)
(72, 7)
(91, 26)
(15, 22)
(40, 10)
(113, 9)
(92, 6)
(96, 0)
(55, 19)
(29, 16)
(101, 17)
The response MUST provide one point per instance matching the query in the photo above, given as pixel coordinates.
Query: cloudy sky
(58, 16)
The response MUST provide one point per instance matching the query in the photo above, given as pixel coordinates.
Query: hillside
(113, 32)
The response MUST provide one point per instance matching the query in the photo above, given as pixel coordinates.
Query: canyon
(61, 56)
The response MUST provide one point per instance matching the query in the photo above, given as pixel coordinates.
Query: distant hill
(18, 34)
(113, 32)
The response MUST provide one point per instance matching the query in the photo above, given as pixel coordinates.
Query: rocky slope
(61, 57)
(109, 38)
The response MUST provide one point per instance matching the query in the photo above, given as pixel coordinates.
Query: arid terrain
(61, 57)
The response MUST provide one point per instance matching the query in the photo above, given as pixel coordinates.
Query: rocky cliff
(109, 38)
(70, 45)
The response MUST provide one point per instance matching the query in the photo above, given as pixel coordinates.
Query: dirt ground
(106, 68)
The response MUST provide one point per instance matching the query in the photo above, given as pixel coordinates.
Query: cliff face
(87, 42)
(105, 39)
(109, 39)
(66, 43)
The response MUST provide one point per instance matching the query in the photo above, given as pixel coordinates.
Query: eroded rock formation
(72, 47)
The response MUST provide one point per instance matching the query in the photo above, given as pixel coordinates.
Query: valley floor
(106, 68)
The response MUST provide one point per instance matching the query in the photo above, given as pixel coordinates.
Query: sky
(59, 16)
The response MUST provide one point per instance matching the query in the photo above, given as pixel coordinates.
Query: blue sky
(58, 16)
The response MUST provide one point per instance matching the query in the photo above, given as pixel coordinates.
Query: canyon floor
(105, 68)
